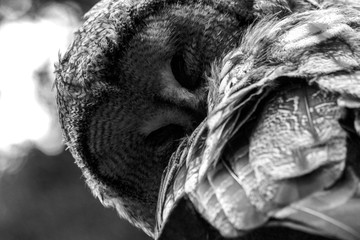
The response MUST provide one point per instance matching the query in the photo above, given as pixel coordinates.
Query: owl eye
(165, 135)
(179, 70)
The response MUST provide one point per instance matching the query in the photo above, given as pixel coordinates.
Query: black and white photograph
(179, 120)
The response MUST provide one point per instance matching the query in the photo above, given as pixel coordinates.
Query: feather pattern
(273, 149)
(279, 146)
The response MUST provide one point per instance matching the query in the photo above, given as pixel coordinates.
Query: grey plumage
(126, 42)
(137, 84)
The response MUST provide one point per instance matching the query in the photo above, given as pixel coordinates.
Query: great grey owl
(219, 119)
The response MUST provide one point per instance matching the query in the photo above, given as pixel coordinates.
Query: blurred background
(42, 193)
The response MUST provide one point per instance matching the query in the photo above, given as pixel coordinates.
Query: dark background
(45, 197)
(47, 200)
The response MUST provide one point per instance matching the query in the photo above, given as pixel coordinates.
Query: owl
(217, 119)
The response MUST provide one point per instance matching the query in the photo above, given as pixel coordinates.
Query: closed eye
(179, 70)
(165, 135)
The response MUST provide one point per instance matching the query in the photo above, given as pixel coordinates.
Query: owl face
(135, 85)
(141, 94)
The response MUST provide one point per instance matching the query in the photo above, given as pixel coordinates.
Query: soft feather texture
(275, 150)
(115, 88)
(133, 83)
